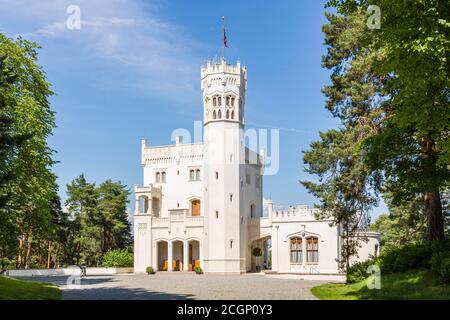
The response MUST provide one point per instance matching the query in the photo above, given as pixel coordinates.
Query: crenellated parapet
(171, 154)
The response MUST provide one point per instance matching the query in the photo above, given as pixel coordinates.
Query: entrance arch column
(185, 255)
(170, 257)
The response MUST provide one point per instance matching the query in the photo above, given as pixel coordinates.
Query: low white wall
(67, 271)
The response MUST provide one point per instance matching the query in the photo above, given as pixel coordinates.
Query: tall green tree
(345, 185)
(99, 220)
(412, 146)
(113, 200)
(26, 118)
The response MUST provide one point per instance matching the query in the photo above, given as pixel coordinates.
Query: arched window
(158, 177)
(163, 177)
(219, 101)
(197, 174)
(228, 101)
(214, 114)
(192, 175)
(232, 114)
(232, 101)
(219, 114)
(228, 114)
(296, 250)
(195, 207)
(312, 250)
(214, 101)
(252, 210)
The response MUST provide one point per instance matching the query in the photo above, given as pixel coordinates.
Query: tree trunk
(56, 263)
(49, 254)
(432, 198)
(19, 257)
(28, 256)
(435, 219)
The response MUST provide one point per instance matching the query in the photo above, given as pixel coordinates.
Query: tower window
(231, 197)
(219, 114)
(232, 114)
(197, 174)
(228, 101)
(252, 211)
(192, 175)
(214, 101)
(228, 114)
(157, 177)
(217, 214)
(214, 114)
(232, 101)
(219, 101)
(163, 177)
(217, 175)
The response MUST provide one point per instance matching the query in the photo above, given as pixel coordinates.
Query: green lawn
(409, 285)
(14, 289)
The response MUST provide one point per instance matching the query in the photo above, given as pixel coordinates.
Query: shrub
(358, 271)
(257, 252)
(440, 261)
(406, 258)
(118, 259)
(198, 270)
(150, 270)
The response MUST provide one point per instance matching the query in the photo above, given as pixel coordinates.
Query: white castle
(201, 205)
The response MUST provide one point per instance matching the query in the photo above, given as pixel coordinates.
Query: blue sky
(132, 71)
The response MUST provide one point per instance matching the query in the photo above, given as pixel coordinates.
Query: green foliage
(150, 270)
(118, 259)
(100, 220)
(358, 271)
(198, 270)
(14, 289)
(28, 189)
(257, 252)
(411, 147)
(345, 186)
(404, 224)
(440, 261)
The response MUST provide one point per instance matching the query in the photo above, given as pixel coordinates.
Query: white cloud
(161, 55)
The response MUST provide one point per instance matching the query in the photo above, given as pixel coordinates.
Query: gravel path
(174, 286)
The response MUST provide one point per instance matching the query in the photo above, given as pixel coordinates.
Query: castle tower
(223, 87)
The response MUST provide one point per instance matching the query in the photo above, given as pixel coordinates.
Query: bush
(257, 252)
(408, 257)
(118, 259)
(198, 270)
(358, 271)
(150, 270)
(440, 261)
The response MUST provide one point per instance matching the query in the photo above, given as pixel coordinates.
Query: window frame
(296, 245)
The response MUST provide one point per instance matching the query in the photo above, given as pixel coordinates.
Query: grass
(413, 285)
(14, 289)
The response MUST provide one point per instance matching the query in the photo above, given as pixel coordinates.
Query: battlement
(223, 67)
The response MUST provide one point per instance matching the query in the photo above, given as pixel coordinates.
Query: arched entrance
(162, 255)
(177, 255)
(263, 262)
(194, 254)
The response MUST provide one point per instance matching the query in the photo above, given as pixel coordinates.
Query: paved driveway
(163, 286)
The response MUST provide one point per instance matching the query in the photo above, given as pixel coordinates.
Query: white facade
(202, 204)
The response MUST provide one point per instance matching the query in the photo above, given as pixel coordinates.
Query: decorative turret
(223, 86)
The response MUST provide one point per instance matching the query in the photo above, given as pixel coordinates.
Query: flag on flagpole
(225, 43)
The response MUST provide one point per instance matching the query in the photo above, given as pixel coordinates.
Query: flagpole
(223, 35)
